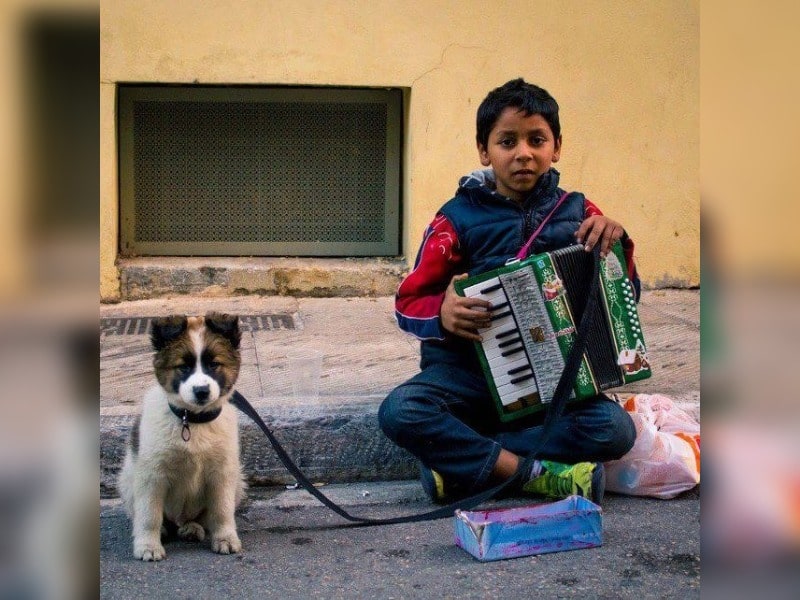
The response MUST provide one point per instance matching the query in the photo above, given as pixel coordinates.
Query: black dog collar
(187, 417)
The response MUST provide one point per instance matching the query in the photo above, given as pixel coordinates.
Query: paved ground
(294, 546)
(365, 354)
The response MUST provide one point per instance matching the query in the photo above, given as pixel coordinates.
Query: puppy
(182, 458)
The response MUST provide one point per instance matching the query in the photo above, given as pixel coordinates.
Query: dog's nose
(201, 392)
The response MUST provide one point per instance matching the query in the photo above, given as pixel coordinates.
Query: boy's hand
(463, 316)
(599, 228)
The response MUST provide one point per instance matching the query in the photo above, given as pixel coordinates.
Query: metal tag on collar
(186, 435)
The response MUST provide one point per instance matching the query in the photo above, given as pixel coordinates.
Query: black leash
(554, 412)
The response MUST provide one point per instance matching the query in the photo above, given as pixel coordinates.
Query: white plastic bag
(665, 459)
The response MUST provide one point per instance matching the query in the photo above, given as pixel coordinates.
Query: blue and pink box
(570, 524)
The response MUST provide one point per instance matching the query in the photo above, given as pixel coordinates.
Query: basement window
(269, 171)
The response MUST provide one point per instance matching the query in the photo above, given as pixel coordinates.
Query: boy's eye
(507, 143)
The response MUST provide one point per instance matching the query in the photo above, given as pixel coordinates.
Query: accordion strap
(554, 411)
(573, 361)
(523, 252)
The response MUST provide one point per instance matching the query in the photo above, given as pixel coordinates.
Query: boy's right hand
(464, 316)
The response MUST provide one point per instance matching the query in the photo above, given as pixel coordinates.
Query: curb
(341, 444)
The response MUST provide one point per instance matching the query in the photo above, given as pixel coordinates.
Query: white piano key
(498, 326)
(497, 297)
(497, 360)
(475, 290)
(502, 377)
(501, 365)
(511, 392)
(495, 348)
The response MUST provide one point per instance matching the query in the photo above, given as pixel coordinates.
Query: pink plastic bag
(665, 459)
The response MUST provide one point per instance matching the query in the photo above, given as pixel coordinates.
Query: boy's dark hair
(529, 98)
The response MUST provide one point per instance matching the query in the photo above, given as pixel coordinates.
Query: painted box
(495, 534)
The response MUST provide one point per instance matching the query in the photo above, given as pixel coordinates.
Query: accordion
(537, 304)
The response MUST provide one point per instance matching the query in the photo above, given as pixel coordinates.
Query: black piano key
(522, 378)
(512, 351)
(500, 315)
(491, 288)
(518, 370)
(508, 343)
(506, 333)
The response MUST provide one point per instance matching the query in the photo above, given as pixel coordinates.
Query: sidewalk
(296, 548)
(334, 437)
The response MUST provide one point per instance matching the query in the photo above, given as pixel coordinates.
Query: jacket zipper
(527, 227)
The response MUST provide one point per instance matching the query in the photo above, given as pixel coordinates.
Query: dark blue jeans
(446, 418)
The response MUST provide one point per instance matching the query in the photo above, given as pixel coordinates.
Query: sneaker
(433, 484)
(558, 481)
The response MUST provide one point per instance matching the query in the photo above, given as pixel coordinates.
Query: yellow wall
(625, 74)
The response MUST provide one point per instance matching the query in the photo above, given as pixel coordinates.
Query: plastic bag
(665, 459)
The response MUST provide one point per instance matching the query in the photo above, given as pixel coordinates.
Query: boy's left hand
(599, 229)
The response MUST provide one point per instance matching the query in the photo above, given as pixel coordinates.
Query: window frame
(128, 94)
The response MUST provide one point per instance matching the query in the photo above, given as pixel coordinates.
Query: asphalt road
(296, 548)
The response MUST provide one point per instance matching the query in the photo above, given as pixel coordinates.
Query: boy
(444, 415)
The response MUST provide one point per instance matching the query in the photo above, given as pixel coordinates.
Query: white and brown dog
(182, 460)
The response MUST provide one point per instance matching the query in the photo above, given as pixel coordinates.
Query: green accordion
(537, 304)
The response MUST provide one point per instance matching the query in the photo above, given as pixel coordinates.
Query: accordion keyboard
(516, 338)
(536, 305)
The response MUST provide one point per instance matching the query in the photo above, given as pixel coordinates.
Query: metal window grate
(141, 325)
(263, 171)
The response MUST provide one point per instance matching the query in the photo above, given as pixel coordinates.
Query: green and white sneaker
(558, 480)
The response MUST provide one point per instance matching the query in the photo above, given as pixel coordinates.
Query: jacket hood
(479, 179)
(482, 182)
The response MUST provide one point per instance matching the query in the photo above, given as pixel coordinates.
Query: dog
(182, 458)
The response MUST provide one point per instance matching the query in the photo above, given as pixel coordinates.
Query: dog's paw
(192, 531)
(229, 544)
(149, 551)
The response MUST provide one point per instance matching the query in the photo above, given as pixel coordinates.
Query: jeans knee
(396, 416)
(609, 429)
(408, 415)
(625, 437)
(388, 416)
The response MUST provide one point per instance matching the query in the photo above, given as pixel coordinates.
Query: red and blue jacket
(479, 230)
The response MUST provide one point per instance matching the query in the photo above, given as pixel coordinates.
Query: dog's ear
(226, 326)
(166, 329)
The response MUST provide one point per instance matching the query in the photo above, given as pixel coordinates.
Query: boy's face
(520, 150)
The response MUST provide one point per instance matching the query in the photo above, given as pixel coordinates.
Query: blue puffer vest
(491, 229)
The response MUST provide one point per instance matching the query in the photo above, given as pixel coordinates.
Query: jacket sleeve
(420, 295)
(591, 209)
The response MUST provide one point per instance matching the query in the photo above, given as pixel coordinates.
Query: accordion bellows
(537, 304)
